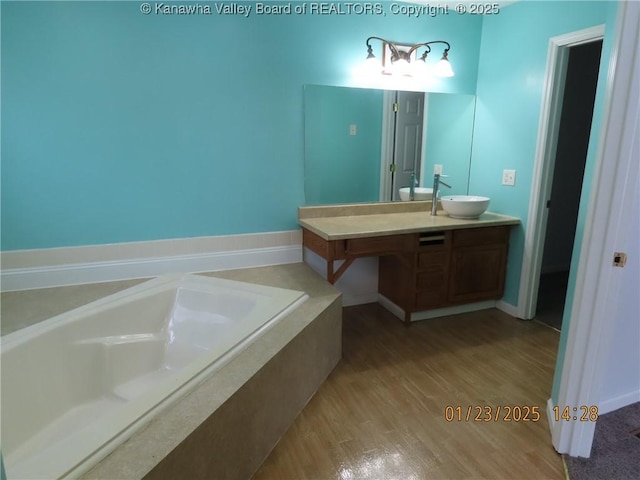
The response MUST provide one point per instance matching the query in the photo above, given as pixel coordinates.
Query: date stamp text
(492, 413)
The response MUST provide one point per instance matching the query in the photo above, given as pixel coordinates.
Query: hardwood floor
(381, 412)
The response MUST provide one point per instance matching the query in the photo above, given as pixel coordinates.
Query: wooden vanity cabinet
(447, 268)
(423, 271)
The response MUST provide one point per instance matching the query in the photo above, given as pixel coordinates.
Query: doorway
(402, 133)
(560, 48)
(573, 134)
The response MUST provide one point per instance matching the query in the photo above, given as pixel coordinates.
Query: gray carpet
(615, 454)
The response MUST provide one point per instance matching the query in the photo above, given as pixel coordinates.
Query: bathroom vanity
(425, 262)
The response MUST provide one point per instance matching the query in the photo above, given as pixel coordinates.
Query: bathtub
(77, 385)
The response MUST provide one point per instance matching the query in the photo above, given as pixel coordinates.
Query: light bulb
(420, 69)
(401, 67)
(373, 65)
(443, 68)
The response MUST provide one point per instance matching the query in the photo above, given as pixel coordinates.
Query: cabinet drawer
(436, 256)
(386, 245)
(481, 236)
(434, 278)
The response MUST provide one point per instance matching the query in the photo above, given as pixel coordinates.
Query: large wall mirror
(353, 135)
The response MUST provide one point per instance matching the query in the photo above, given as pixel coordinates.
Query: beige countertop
(360, 222)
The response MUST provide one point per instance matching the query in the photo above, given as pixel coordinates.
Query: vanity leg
(332, 277)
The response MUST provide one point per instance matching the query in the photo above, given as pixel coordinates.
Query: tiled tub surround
(119, 361)
(226, 425)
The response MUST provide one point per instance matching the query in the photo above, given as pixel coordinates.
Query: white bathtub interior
(76, 385)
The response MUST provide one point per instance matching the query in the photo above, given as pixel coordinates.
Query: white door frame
(386, 150)
(557, 60)
(590, 330)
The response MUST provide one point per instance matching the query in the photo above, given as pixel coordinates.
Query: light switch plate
(353, 129)
(509, 177)
(437, 169)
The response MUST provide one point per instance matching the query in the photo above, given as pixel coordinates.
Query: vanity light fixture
(402, 59)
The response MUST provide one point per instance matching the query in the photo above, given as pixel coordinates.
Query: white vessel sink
(464, 206)
(419, 193)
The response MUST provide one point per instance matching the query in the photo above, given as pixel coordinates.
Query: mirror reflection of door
(407, 124)
(347, 155)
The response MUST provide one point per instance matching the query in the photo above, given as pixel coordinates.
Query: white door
(407, 151)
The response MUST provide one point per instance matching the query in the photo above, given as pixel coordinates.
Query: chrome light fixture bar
(402, 59)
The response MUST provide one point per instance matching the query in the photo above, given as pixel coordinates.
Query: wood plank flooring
(381, 413)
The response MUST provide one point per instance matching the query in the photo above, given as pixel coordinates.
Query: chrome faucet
(412, 186)
(434, 196)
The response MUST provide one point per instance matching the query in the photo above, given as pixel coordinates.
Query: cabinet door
(431, 287)
(477, 273)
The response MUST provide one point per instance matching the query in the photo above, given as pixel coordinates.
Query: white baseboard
(437, 312)
(351, 299)
(507, 308)
(51, 273)
(392, 307)
(444, 312)
(603, 407)
(618, 402)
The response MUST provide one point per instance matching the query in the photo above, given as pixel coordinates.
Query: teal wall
(509, 95)
(340, 167)
(123, 127)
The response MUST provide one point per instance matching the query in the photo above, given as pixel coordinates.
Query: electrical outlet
(509, 177)
(437, 169)
(353, 129)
